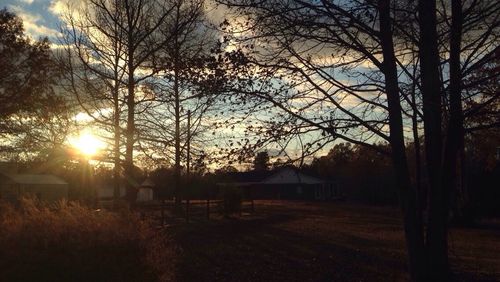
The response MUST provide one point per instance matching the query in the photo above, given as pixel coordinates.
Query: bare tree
(110, 56)
(186, 82)
(334, 71)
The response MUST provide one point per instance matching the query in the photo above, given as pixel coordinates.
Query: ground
(298, 241)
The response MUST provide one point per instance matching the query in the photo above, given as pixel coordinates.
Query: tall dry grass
(70, 242)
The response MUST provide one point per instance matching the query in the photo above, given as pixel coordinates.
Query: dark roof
(36, 179)
(290, 175)
(248, 176)
(148, 183)
(271, 177)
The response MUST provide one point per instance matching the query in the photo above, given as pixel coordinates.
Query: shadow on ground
(290, 241)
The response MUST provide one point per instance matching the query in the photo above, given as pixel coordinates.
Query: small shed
(145, 192)
(45, 187)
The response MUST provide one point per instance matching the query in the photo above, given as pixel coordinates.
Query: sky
(39, 16)
(41, 19)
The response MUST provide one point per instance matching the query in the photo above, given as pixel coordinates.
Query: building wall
(44, 192)
(48, 193)
(328, 191)
(9, 192)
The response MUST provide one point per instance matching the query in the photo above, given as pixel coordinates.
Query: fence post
(241, 206)
(187, 210)
(162, 207)
(253, 206)
(208, 208)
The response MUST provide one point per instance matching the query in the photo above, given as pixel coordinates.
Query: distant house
(105, 190)
(145, 192)
(283, 183)
(45, 187)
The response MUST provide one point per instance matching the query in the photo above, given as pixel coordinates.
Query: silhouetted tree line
(368, 176)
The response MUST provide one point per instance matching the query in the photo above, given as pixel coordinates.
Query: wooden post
(241, 206)
(187, 210)
(251, 197)
(208, 208)
(162, 207)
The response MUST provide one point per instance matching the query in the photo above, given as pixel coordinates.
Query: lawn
(298, 241)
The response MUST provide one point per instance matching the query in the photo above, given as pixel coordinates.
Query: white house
(284, 183)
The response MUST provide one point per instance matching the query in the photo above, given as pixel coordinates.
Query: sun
(87, 144)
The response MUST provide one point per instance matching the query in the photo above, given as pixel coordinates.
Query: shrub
(69, 242)
(232, 197)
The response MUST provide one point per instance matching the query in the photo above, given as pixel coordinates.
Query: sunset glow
(87, 144)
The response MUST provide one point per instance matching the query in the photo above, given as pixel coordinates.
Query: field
(280, 241)
(297, 241)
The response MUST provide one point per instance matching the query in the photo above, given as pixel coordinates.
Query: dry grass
(297, 241)
(282, 241)
(69, 242)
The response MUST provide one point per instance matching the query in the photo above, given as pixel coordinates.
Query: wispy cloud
(29, 2)
(34, 24)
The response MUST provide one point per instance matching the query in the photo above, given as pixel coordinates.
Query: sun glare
(87, 144)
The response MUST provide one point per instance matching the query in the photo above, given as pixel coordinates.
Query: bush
(232, 197)
(69, 242)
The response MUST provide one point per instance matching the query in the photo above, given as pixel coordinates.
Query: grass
(69, 242)
(281, 241)
(297, 241)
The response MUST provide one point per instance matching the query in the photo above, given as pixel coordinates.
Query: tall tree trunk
(177, 111)
(455, 133)
(420, 188)
(412, 222)
(177, 165)
(129, 146)
(437, 237)
(116, 145)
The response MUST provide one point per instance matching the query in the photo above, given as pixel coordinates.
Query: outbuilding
(45, 187)
(145, 192)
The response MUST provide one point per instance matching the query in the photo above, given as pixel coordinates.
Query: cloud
(62, 7)
(58, 7)
(29, 2)
(34, 23)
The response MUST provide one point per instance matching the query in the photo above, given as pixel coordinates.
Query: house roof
(284, 175)
(248, 176)
(36, 179)
(289, 175)
(148, 183)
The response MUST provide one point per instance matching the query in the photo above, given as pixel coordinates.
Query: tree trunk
(412, 222)
(437, 239)
(129, 146)
(455, 132)
(116, 145)
(177, 165)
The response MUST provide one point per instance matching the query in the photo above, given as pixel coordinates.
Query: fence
(189, 209)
